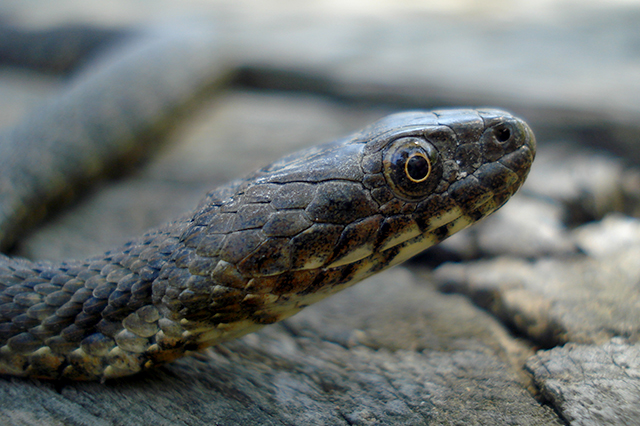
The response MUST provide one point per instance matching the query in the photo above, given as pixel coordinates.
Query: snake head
(439, 172)
(320, 220)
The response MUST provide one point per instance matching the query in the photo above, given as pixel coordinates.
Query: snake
(252, 252)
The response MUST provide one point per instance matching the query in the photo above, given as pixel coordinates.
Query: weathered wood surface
(399, 348)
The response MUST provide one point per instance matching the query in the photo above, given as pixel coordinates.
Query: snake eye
(417, 167)
(411, 167)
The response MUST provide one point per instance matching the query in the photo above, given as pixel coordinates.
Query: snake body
(260, 249)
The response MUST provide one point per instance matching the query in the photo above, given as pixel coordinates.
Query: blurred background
(560, 63)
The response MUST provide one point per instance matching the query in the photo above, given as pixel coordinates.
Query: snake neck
(84, 307)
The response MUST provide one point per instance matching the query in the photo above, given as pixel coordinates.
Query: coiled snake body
(260, 249)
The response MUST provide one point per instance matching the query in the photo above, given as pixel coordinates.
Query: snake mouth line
(456, 220)
(450, 222)
(413, 239)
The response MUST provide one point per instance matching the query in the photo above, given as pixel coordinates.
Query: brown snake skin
(260, 249)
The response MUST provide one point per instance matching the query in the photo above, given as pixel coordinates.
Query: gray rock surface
(553, 301)
(591, 385)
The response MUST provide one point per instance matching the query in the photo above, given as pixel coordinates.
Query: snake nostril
(502, 134)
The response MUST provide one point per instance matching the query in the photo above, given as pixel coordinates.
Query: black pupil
(502, 134)
(417, 167)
